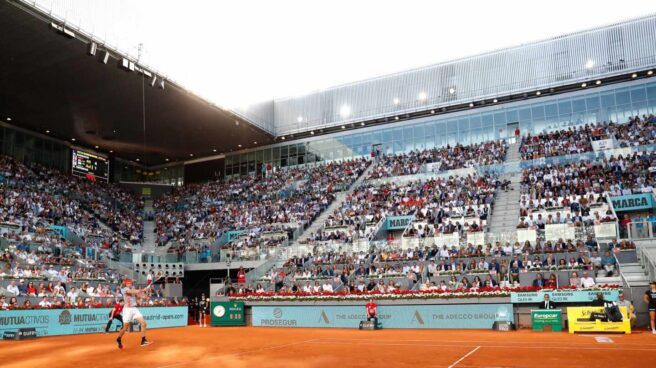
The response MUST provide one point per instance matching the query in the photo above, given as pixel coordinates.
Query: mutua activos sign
(476, 316)
(633, 202)
(49, 322)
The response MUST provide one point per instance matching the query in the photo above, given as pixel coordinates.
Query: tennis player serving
(130, 312)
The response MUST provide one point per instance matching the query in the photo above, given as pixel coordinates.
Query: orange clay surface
(333, 348)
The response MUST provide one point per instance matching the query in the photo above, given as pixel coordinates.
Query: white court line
(235, 354)
(465, 356)
(614, 347)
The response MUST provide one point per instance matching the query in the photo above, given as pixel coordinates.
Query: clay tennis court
(282, 347)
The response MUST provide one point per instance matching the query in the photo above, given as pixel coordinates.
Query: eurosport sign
(475, 316)
(50, 322)
(564, 296)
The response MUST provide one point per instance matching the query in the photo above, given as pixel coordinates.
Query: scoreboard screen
(90, 166)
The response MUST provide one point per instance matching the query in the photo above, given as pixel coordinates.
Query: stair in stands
(505, 212)
(340, 198)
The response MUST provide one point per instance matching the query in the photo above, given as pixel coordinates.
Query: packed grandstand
(437, 252)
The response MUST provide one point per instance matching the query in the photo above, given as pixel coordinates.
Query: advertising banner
(633, 202)
(547, 317)
(50, 322)
(474, 316)
(563, 296)
(227, 314)
(578, 320)
(397, 222)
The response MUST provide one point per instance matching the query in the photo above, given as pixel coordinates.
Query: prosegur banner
(50, 322)
(397, 222)
(633, 202)
(564, 296)
(475, 316)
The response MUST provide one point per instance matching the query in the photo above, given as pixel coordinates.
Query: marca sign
(397, 222)
(633, 202)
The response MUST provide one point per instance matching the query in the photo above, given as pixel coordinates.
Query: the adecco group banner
(49, 322)
(564, 296)
(480, 316)
(633, 202)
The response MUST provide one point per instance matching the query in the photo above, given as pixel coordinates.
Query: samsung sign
(633, 202)
(49, 322)
(476, 316)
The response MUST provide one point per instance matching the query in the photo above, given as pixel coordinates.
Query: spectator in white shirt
(44, 303)
(12, 288)
(587, 281)
(327, 287)
(72, 295)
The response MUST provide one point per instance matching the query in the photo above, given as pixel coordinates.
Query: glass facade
(613, 103)
(26, 147)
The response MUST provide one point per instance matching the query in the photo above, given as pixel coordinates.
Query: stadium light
(166, 159)
(345, 111)
(452, 90)
(312, 132)
(396, 101)
(432, 111)
(283, 138)
(590, 64)
(343, 127)
(239, 145)
(471, 104)
(598, 82)
(8, 118)
(111, 151)
(137, 160)
(92, 48)
(422, 96)
(105, 57)
(214, 150)
(583, 85)
(495, 100)
(96, 147)
(538, 93)
(299, 119)
(47, 132)
(255, 142)
(73, 139)
(191, 155)
(650, 72)
(362, 123)
(634, 75)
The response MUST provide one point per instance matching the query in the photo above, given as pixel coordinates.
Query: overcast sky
(238, 52)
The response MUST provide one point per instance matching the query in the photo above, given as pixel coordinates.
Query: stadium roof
(50, 83)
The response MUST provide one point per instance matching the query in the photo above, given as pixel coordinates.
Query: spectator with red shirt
(31, 290)
(241, 276)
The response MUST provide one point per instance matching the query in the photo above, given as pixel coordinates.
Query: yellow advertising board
(578, 320)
